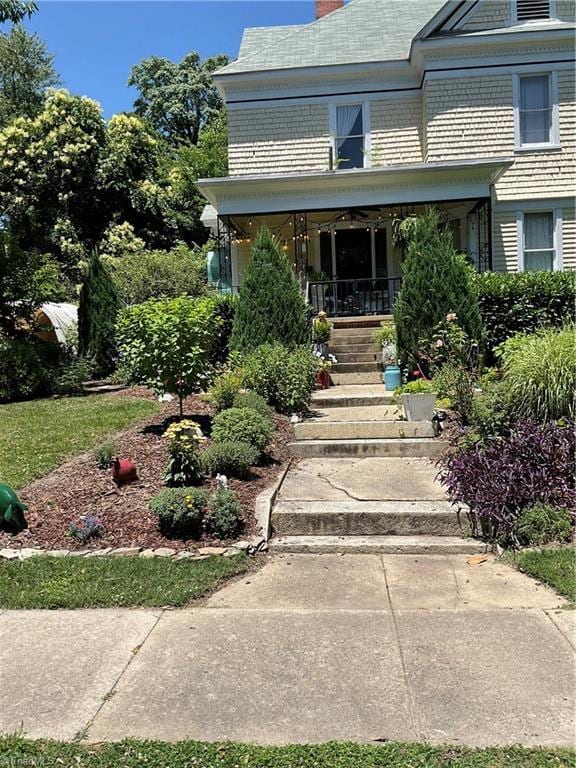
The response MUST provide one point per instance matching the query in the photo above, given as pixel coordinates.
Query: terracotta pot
(124, 471)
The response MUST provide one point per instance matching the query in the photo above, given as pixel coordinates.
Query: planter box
(419, 407)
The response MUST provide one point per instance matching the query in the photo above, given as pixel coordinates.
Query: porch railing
(365, 296)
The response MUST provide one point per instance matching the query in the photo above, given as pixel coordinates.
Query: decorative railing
(364, 296)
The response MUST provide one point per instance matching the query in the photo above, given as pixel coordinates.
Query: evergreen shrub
(97, 312)
(284, 378)
(242, 425)
(230, 458)
(180, 511)
(224, 515)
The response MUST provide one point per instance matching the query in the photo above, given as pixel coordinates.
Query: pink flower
(439, 343)
(451, 316)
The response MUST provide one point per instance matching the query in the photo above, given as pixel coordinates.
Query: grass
(555, 567)
(39, 434)
(134, 754)
(103, 582)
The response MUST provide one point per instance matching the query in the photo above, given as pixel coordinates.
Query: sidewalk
(310, 648)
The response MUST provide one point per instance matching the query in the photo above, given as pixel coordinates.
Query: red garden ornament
(124, 471)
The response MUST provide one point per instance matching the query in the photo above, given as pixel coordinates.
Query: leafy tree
(177, 99)
(16, 10)
(271, 306)
(26, 72)
(435, 282)
(97, 312)
(167, 343)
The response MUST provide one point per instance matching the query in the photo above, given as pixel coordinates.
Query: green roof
(360, 32)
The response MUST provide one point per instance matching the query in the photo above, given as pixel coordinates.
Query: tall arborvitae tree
(435, 281)
(271, 306)
(97, 312)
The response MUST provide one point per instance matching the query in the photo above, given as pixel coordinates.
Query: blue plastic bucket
(392, 377)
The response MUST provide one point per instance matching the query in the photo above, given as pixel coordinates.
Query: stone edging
(265, 502)
(251, 546)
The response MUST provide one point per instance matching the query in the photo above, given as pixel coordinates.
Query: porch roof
(323, 190)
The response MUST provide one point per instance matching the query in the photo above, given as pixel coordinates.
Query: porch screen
(535, 110)
(539, 251)
(350, 136)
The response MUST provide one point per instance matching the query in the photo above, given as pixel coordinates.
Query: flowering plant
(325, 363)
(184, 439)
(85, 528)
(448, 343)
(321, 329)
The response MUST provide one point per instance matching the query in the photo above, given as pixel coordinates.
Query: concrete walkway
(310, 648)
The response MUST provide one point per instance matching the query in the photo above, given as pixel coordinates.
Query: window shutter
(529, 10)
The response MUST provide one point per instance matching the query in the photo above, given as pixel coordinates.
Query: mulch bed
(78, 487)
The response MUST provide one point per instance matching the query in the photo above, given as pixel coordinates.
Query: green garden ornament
(11, 509)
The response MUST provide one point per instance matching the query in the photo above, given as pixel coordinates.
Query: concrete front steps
(320, 429)
(389, 545)
(367, 518)
(410, 447)
(351, 395)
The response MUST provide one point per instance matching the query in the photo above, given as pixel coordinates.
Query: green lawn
(38, 435)
(555, 567)
(185, 754)
(102, 582)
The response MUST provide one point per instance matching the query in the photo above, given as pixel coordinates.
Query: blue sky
(96, 43)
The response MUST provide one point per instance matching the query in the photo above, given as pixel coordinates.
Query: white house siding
(279, 139)
(396, 127)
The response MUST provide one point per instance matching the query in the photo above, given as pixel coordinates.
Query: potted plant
(323, 371)
(418, 399)
(385, 338)
(321, 332)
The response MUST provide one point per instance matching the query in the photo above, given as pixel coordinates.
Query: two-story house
(341, 128)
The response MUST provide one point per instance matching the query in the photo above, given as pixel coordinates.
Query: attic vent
(529, 10)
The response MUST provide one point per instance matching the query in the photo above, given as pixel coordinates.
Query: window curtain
(346, 117)
(535, 111)
(538, 241)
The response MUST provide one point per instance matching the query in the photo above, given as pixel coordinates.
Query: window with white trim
(539, 247)
(535, 110)
(532, 10)
(350, 136)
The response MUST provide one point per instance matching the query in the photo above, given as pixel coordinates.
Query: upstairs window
(535, 110)
(350, 136)
(539, 249)
(532, 10)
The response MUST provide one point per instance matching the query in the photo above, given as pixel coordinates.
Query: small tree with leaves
(271, 306)
(97, 311)
(436, 281)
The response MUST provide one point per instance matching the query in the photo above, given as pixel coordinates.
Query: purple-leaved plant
(534, 463)
(85, 528)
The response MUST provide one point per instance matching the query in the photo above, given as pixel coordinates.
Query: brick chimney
(324, 7)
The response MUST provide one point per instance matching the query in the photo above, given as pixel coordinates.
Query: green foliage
(436, 282)
(321, 330)
(256, 402)
(27, 368)
(491, 413)
(177, 99)
(285, 378)
(523, 302)
(16, 10)
(242, 425)
(154, 274)
(416, 387)
(540, 373)
(104, 454)
(224, 308)
(230, 458)
(97, 312)
(544, 524)
(386, 334)
(184, 466)
(167, 343)
(271, 306)
(448, 343)
(224, 515)
(180, 511)
(456, 383)
(26, 72)
(72, 375)
(226, 387)
(554, 567)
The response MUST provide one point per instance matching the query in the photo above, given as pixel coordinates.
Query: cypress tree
(271, 306)
(97, 312)
(435, 281)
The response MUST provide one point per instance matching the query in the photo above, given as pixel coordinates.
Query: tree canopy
(16, 10)
(177, 99)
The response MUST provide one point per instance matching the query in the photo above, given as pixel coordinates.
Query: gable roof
(360, 32)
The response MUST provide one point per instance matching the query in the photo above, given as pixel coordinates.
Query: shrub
(271, 306)
(523, 302)
(455, 383)
(242, 425)
(226, 387)
(184, 467)
(543, 524)
(490, 415)
(449, 344)
(284, 378)
(417, 387)
(540, 373)
(180, 511)
(436, 281)
(533, 464)
(321, 330)
(97, 311)
(224, 308)
(256, 402)
(167, 343)
(84, 528)
(27, 368)
(230, 458)
(72, 376)
(224, 515)
(104, 455)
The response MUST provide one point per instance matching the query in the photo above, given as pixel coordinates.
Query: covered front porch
(347, 258)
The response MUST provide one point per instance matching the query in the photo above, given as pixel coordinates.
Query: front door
(353, 254)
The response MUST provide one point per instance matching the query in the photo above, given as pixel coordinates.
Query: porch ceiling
(323, 190)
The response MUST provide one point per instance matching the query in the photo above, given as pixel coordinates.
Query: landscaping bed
(78, 487)
(555, 567)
